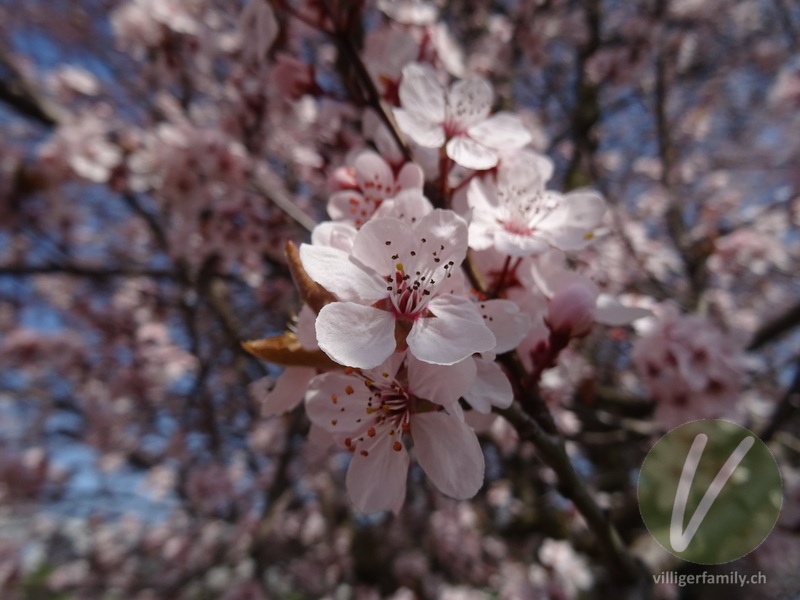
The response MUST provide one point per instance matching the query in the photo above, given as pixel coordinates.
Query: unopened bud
(571, 311)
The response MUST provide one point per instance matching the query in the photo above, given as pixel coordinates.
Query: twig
(550, 447)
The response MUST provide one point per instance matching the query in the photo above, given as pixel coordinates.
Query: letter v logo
(678, 538)
(710, 491)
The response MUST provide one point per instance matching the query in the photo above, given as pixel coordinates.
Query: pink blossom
(457, 118)
(389, 288)
(374, 181)
(371, 411)
(519, 217)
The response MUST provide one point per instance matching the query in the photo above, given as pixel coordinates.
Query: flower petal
(470, 154)
(355, 335)
(333, 270)
(611, 311)
(518, 245)
(449, 453)
(428, 134)
(469, 101)
(454, 332)
(506, 321)
(491, 388)
(337, 402)
(438, 383)
(501, 131)
(376, 477)
(421, 94)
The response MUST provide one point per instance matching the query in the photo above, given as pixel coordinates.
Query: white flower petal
(506, 321)
(611, 311)
(438, 383)
(491, 388)
(428, 134)
(337, 402)
(455, 332)
(374, 175)
(408, 205)
(333, 270)
(378, 241)
(354, 335)
(449, 453)
(411, 177)
(518, 245)
(288, 391)
(469, 101)
(377, 481)
(470, 154)
(502, 131)
(421, 94)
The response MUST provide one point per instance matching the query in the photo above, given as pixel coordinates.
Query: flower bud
(571, 311)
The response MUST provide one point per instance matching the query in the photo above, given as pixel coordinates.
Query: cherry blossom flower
(519, 217)
(389, 291)
(372, 182)
(371, 411)
(457, 118)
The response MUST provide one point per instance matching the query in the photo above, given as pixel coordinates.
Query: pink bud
(571, 311)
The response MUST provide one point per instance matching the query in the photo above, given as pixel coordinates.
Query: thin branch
(285, 204)
(776, 328)
(550, 447)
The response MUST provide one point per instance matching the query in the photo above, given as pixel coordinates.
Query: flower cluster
(412, 303)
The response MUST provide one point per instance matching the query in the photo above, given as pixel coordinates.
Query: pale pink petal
(445, 234)
(421, 94)
(287, 392)
(506, 321)
(335, 235)
(428, 134)
(501, 131)
(375, 177)
(455, 332)
(378, 241)
(377, 481)
(469, 101)
(449, 453)
(346, 204)
(518, 245)
(482, 196)
(611, 311)
(581, 209)
(410, 177)
(470, 154)
(354, 335)
(337, 402)
(305, 328)
(333, 270)
(439, 383)
(491, 388)
(408, 205)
